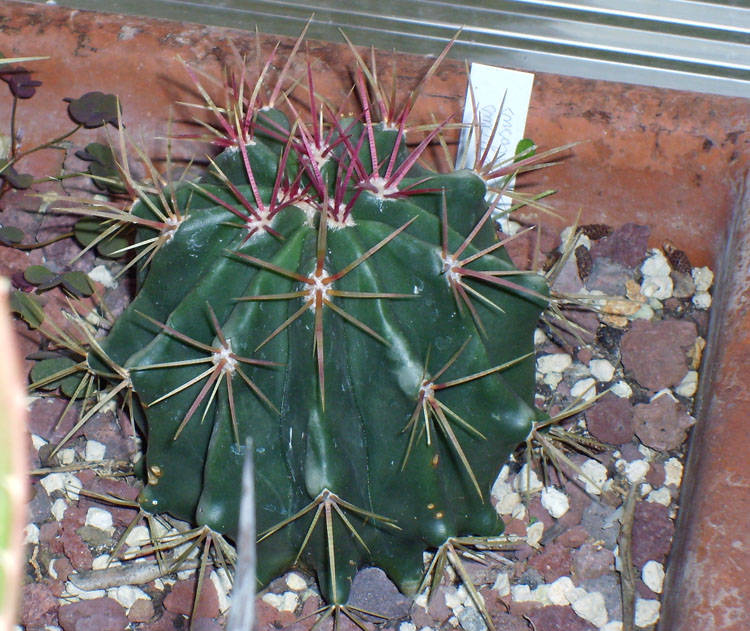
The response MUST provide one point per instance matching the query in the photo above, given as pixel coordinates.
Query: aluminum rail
(682, 44)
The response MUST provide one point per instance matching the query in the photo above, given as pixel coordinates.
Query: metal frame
(682, 44)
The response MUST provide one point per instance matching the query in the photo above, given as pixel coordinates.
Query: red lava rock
(610, 420)
(168, 621)
(609, 277)
(627, 245)
(578, 500)
(573, 538)
(37, 603)
(592, 561)
(141, 610)
(524, 248)
(44, 415)
(662, 424)
(584, 355)
(568, 280)
(655, 353)
(508, 622)
(373, 591)
(206, 624)
(656, 475)
(553, 562)
(76, 550)
(115, 488)
(652, 533)
(99, 614)
(520, 609)
(540, 513)
(557, 618)
(105, 428)
(582, 327)
(49, 535)
(645, 592)
(514, 526)
(180, 599)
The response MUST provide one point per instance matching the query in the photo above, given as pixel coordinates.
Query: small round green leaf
(525, 148)
(94, 109)
(38, 275)
(56, 373)
(10, 235)
(78, 284)
(28, 308)
(88, 230)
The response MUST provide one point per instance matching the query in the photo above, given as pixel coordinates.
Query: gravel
(639, 376)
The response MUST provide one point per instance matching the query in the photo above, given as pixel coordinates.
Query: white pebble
(558, 589)
(502, 584)
(282, 602)
(622, 389)
(527, 481)
(645, 488)
(519, 512)
(508, 502)
(95, 451)
(659, 287)
(38, 442)
(31, 534)
(673, 472)
(101, 274)
(656, 264)
(653, 576)
(585, 389)
(66, 456)
(223, 586)
(614, 625)
(646, 612)
(602, 369)
(126, 595)
(101, 562)
(82, 594)
(137, 537)
(645, 312)
(58, 508)
(636, 470)
(66, 482)
(539, 337)
(521, 593)
(534, 533)
(703, 278)
(689, 384)
(660, 496)
(592, 608)
(702, 300)
(295, 582)
(407, 626)
(553, 363)
(595, 475)
(648, 453)
(552, 379)
(571, 240)
(555, 502)
(453, 599)
(100, 518)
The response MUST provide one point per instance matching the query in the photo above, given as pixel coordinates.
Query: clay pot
(674, 160)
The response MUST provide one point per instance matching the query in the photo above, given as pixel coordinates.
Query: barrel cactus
(353, 312)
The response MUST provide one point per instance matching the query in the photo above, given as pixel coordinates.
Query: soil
(569, 530)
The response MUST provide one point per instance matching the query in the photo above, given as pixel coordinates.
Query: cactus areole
(352, 312)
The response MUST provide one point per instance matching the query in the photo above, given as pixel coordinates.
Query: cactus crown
(352, 311)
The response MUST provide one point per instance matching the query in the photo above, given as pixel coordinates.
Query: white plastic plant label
(497, 92)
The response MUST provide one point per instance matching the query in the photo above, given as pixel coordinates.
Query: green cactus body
(341, 349)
